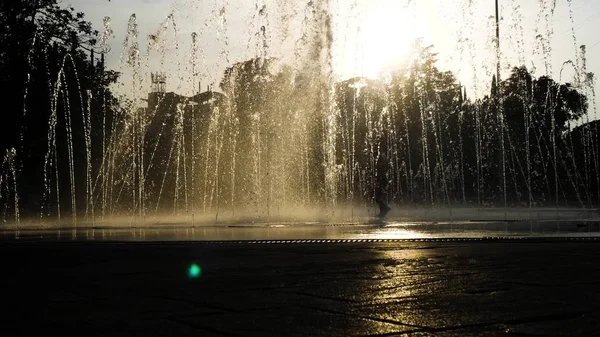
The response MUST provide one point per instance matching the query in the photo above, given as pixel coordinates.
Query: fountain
(281, 137)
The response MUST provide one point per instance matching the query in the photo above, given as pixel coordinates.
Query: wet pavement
(365, 230)
(402, 223)
(427, 288)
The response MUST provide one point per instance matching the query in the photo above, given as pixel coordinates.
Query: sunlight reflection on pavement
(392, 230)
(349, 289)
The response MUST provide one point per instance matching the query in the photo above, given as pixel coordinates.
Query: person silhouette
(381, 184)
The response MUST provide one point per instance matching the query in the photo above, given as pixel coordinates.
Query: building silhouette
(175, 145)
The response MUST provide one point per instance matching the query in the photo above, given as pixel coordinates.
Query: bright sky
(368, 36)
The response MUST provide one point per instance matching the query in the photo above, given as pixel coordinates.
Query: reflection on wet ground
(399, 277)
(316, 231)
(402, 223)
(481, 288)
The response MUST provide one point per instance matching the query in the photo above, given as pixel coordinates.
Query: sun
(385, 35)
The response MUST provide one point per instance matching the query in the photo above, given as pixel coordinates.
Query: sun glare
(385, 35)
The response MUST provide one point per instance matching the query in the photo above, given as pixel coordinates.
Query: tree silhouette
(538, 113)
(51, 80)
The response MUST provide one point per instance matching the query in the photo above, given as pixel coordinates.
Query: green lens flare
(194, 271)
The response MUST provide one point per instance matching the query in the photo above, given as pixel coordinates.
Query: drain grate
(489, 239)
(430, 240)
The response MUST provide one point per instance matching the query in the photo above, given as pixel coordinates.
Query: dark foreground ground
(462, 288)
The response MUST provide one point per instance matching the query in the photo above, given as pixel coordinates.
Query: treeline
(514, 146)
(278, 136)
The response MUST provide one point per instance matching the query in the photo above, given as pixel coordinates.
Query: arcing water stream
(282, 136)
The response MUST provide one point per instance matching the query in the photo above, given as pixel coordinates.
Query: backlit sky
(368, 36)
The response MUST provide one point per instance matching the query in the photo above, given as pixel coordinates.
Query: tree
(537, 113)
(413, 117)
(54, 93)
(33, 29)
(271, 132)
